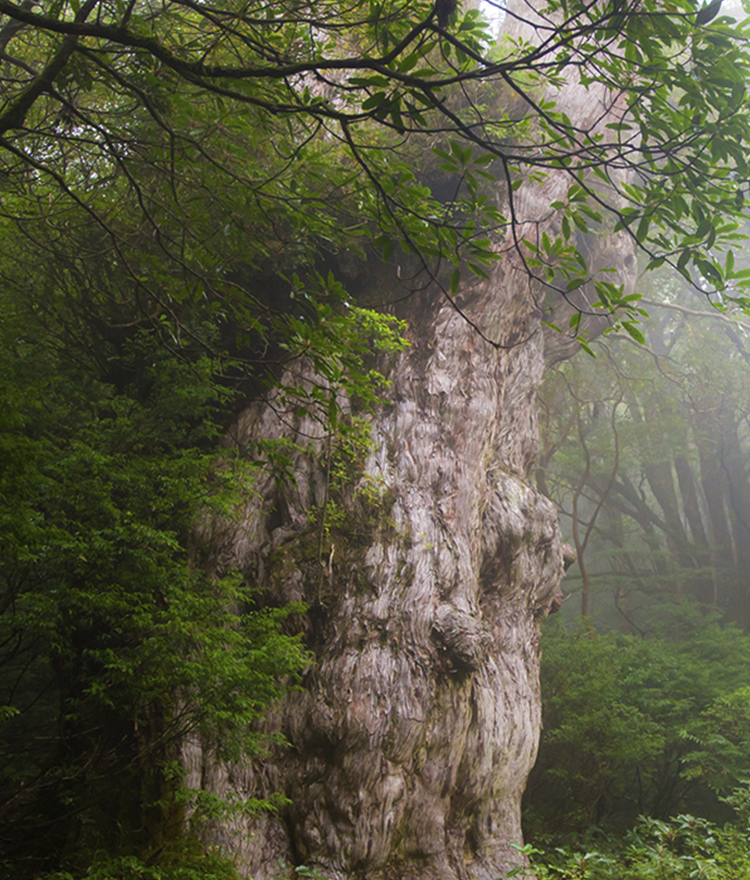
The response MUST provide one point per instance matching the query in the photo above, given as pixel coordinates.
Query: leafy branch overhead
(252, 134)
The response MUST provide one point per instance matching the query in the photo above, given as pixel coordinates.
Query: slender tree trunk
(661, 482)
(703, 583)
(710, 452)
(622, 564)
(692, 508)
(738, 502)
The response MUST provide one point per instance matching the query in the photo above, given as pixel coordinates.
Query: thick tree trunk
(417, 724)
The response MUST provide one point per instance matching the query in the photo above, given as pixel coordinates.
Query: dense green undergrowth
(116, 642)
(183, 862)
(682, 848)
(645, 753)
(655, 724)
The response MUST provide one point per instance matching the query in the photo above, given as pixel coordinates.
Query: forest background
(164, 256)
(645, 670)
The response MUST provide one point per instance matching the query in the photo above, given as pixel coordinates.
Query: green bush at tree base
(634, 725)
(683, 848)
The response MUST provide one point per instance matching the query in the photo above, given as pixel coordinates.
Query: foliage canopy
(264, 134)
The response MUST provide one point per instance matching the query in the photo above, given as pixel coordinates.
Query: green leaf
(634, 332)
(374, 101)
(455, 281)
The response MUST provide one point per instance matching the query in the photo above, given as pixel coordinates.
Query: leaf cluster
(115, 645)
